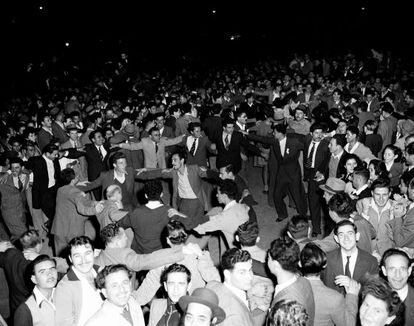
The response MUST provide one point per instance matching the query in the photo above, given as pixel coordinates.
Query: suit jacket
(409, 304)
(73, 209)
(232, 154)
(403, 230)
(41, 179)
(321, 158)
(157, 310)
(13, 209)
(365, 264)
(201, 154)
(341, 170)
(300, 291)
(395, 174)
(153, 159)
(44, 138)
(109, 314)
(106, 179)
(212, 127)
(59, 132)
(331, 307)
(237, 312)
(387, 128)
(167, 132)
(95, 164)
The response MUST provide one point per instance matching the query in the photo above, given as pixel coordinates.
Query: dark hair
(109, 232)
(39, 259)
(353, 130)
(340, 140)
(30, 239)
(82, 240)
(43, 116)
(381, 290)
(316, 126)
(342, 205)
(153, 189)
(379, 168)
(410, 147)
(176, 232)
(362, 172)
(182, 154)
(153, 129)
(175, 268)
(280, 128)
(117, 156)
(230, 168)
(380, 183)
(286, 252)
(397, 152)
(101, 277)
(394, 252)
(248, 233)
(233, 256)
(227, 121)
(298, 226)
(50, 148)
(16, 160)
(228, 187)
(239, 112)
(287, 312)
(67, 175)
(387, 107)
(356, 158)
(343, 223)
(312, 259)
(370, 125)
(93, 133)
(192, 126)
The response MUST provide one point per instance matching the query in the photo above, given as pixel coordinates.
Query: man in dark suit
(360, 184)
(212, 127)
(348, 261)
(121, 175)
(396, 266)
(46, 171)
(58, 128)
(228, 146)
(97, 155)
(196, 145)
(286, 173)
(315, 163)
(165, 131)
(338, 157)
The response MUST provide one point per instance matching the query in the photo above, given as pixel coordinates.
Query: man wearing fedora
(201, 308)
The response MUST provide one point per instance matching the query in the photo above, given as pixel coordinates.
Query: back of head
(67, 175)
(30, 239)
(228, 187)
(175, 232)
(342, 205)
(286, 252)
(312, 259)
(109, 232)
(233, 256)
(247, 234)
(298, 226)
(153, 189)
(340, 140)
(287, 313)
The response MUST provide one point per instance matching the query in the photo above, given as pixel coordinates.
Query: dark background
(160, 33)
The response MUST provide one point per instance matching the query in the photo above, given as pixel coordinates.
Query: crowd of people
(124, 197)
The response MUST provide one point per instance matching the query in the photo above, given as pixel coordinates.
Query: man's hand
(99, 207)
(82, 183)
(192, 249)
(244, 132)
(166, 170)
(353, 287)
(173, 212)
(139, 171)
(342, 280)
(115, 146)
(4, 245)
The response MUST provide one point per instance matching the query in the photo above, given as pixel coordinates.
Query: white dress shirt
(282, 144)
(119, 176)
(190, 140)
(315, 145)
(50, 171)
(103, 151)
(224, 138)
(184, 186)
(238, 293)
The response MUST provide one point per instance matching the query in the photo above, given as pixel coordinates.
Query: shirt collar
(39, 297)
(402, 293)
(229, 205)
(284, 285)
(47, 159)
(119, 175)
(338, 156)
(184, 172)
(153, 204)
(237, 292)
(115, 308)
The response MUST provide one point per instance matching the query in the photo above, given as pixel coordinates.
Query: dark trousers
(314, 197)
(194, 210)
(295, 186)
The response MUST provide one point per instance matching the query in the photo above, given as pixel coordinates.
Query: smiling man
(39, 308)
(396, 266)
(77, 298)
(119, 308)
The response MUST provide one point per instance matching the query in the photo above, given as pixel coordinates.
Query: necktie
(193, 147)
(308, 163)
(226, 141)
(156, 148)
(347, 270)
(127, 315)
(100, 152)
(20, 184)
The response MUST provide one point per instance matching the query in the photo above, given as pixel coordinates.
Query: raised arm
(131, 146)
(153, 260)
(173, 141)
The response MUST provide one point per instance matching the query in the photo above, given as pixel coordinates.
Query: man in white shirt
(396, 266)
(77, 298)
(355, 147)
(119, 308)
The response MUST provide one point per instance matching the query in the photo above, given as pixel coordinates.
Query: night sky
(38, 29)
